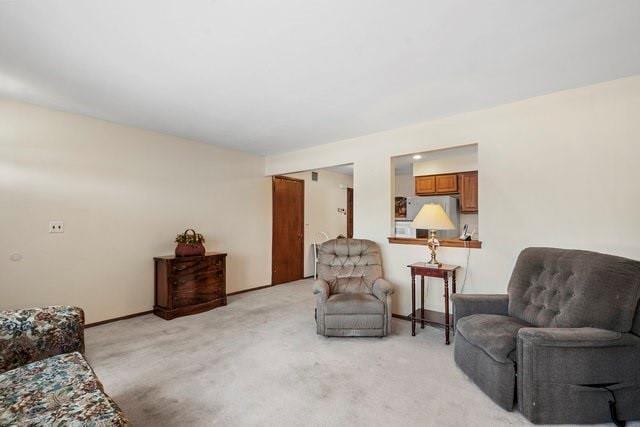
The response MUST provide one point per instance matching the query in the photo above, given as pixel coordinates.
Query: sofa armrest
(34, 334)
(321, 290)
(468, 304)
(381, 288)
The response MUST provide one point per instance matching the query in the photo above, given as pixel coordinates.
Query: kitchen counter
(445, 243)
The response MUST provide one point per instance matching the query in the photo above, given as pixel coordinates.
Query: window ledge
(451, 243)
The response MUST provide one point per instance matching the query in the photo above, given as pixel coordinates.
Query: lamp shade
(432, 217)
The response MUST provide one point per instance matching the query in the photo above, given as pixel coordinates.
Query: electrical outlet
(56, 227)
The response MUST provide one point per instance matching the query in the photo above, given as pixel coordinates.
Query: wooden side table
(444, 272)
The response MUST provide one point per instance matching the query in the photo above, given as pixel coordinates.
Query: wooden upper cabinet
(468, 192)
(436, 184)
(425, 185)
(464, 183)
(446, 184)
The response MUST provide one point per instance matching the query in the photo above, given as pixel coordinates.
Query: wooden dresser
(188, 285)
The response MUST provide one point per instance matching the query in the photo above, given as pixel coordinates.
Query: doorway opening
(327, 212)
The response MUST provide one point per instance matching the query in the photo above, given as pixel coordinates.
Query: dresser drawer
(190, 267)
(192, 280)
(189, 285)
(215, 262)
(191, 292)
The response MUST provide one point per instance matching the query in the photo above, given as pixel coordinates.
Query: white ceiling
(270, 76)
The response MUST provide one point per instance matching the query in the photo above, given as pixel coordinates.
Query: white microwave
(404, 229)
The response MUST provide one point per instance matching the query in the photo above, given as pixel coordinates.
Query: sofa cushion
(60, 390)
(563, 288)
(354, 304)
(37, 333)
(495, 334)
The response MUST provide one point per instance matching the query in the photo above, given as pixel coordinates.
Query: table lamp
(432, 217)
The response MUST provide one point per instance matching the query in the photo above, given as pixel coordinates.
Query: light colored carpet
(258, 361)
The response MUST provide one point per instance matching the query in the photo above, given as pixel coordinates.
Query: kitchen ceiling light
(417, 157)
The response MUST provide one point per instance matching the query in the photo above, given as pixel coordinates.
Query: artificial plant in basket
(190, 243)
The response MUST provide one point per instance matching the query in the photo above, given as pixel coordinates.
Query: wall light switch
(56, 227)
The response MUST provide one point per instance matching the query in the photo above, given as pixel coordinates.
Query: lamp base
(433, 244)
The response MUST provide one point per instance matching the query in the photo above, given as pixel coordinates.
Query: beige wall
(323, 198)
(405, 185)
(557, 170)
(123, 194)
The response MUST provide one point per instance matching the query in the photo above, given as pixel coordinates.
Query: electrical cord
(466, 267)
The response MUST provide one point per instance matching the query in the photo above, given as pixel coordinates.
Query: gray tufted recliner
(352, 298)
(563, 344)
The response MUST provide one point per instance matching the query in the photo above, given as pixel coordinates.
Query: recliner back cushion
(349, 265)
(573, 288)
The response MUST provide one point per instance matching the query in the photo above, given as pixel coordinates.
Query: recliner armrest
(321, 290)
(573, 337)
(467, 304)
(561, 365)
(381, 288)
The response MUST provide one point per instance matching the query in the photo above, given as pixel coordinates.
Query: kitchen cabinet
(468, 183)
(463, 183)
(425, 185)
(436, 184)
(446, 184)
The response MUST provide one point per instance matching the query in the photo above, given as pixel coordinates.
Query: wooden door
(287, 263)
(349, 212)
(469, 192)
(425, 185)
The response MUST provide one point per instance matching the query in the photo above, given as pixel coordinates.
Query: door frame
(273, 224)
(350, 212)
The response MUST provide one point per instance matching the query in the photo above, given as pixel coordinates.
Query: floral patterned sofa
(44, 379)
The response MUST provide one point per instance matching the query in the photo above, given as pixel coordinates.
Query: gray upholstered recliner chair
(352, 298)
(563, 343)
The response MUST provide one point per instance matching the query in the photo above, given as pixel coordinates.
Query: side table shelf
(445, 272)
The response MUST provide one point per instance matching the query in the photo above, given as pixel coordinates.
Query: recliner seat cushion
(497, 380)
(354, 304)
(496, 335)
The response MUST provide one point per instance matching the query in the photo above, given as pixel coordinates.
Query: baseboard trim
(142, 313)
(249, 290)
(115, 319)
(257, 288)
